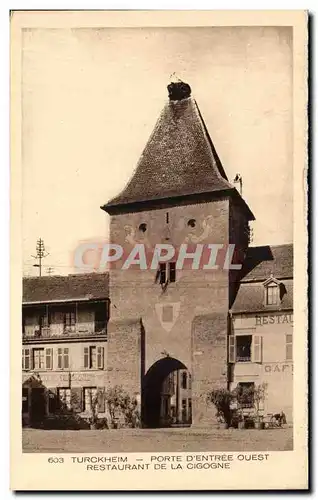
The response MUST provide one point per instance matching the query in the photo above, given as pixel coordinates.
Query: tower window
(167, 272)
(167, 217)
(162, 273)
(172, 272)
(143, 227)
(191, 223)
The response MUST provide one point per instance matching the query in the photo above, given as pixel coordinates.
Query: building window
(289, 347)
(64, 395)
(69, 321)
(184, 380)
(167, 272)
(272, 294)
(172, 272)
(38, 359)
(26, 359)
(49, 359)
(162, 273)
(245, 348)
(63, 358)
(90, 394)
(94, 358)
(44, 321)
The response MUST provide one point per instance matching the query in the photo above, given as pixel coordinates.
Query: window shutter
(86, 357)
(162, 268)
(100, 358)
(257, 349)
(26, 365)
(101, 399)
(232, 354)
(65, 358)
(59, 359)
(49, 359)
(289, 347)
(77, 399)
(172, 272)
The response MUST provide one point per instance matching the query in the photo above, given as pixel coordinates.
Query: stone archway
(166, 395)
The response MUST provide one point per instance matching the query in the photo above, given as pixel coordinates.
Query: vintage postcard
(159, 250)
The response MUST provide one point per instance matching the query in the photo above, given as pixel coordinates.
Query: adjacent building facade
(187, 325)
(64, 345)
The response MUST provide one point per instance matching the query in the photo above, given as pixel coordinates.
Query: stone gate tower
(169, 325)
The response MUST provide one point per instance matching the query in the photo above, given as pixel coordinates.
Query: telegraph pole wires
(41, 253)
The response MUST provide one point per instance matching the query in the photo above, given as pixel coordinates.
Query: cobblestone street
(156, 440)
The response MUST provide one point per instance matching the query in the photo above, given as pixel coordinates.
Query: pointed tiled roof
(179, 159)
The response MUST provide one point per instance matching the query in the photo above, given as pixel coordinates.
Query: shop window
(94, 358)
(289, 347)
(63, 362)
(245, 348)
(64, 396)
(25, 400)
(245, 394)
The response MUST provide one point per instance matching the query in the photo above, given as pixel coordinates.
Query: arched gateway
(166, 395)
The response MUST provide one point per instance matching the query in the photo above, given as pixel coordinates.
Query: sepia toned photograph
(157, 246)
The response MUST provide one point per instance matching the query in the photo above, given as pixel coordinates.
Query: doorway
(38, 405)
(166, 398)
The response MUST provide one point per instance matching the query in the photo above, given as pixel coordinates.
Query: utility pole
(50, 270)
(41, 253)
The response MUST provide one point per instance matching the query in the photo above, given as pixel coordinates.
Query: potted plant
(259, 394)
(221, 398)
(93, 408)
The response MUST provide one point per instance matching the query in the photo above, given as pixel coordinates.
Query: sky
(90, 100)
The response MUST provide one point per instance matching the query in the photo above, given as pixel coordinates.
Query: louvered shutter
(232, 353)
(100, 358)
(59, 359)
(257, 349)
(86, 357)
(49, 359)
